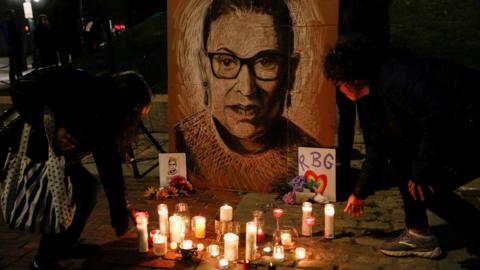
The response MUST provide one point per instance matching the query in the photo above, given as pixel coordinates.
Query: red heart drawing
(319, 180)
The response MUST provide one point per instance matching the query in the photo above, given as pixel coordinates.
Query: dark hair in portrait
(278, 9)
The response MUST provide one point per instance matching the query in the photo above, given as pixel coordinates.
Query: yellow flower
(150, 192)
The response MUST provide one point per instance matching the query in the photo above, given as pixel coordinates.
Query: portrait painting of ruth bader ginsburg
(246, 88)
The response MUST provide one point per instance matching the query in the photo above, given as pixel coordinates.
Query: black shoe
(80, 251)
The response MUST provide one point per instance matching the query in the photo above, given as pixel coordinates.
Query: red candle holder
(310, 221)
(277, 212)
(260, 235)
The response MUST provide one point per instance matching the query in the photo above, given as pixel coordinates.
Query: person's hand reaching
(354, 206)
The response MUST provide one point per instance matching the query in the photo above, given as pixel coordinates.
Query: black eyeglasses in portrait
(265, 65)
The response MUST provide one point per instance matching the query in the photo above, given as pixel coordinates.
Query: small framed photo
(171, 164)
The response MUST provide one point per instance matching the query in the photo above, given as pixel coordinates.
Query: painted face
(244, 68)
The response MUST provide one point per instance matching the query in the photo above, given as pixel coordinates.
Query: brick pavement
(355, 246)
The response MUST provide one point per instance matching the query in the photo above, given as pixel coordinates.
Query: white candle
(306, 212)
(199, 223)
(286, 238)
(177, 229)
(250, 241)
(200, 247)
(226, 213)
(223, 263)
(159, 244)
(278, 253)
(162, 210)
(214, 250)
(173, 245)
(300, 253)
(142, 232)
(329, 223)
(186, 244)
(231, 246)
(267, 250)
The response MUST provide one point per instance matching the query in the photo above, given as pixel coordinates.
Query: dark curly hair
(351, 60)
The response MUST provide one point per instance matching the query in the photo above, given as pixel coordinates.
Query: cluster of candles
(176, 226)
(173, 227)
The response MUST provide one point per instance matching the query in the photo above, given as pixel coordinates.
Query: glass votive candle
(222, 262)
(159, 244)
(154, 233)
(286, 238)
(300, 253)
(267, 250)
(278, 253)
(200, 247)
(198, 226)
(181, 209)
(173, 245)
(186, 244)
(214, 250)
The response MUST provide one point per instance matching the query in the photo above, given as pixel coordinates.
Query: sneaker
(408, 244)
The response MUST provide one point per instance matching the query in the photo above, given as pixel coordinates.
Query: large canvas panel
(239, 140)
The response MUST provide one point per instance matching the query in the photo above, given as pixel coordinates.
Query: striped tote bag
(37, 197)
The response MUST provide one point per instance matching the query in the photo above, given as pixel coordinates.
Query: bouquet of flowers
(302, 188)
(178, 186)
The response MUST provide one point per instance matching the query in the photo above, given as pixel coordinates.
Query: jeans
(85, 189)
(444, 202)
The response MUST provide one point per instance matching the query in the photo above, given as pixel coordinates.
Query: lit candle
(186, 244)
(300, 253)
(154, 233)
(260, 235)
(329, 224)
(223, 263)
(162, 210)
(278, 253)
(200, 247)
(199, 223)
(141, 219)
(231, 246)
(277, 212)
(286, 238)
(173, 245)
(267, 250)
(159, 245)
(226, 213)
(250, 241)
(177, 229)
(214, 250)
(306, 212)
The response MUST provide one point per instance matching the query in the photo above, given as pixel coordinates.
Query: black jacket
(423, 115)
(79, 104)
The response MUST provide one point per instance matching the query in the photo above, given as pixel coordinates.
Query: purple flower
(297, 183)
(289, 198)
